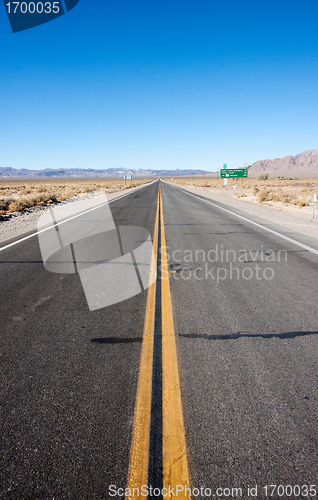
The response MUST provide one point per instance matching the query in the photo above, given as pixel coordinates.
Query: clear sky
(160, 84)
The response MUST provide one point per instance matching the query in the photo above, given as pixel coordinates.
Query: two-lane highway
(230, 378)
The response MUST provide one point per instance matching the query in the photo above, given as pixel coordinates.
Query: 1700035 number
(33, 7)
(285, 491)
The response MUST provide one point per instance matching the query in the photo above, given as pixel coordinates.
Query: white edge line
(306, 247)
(67, 220)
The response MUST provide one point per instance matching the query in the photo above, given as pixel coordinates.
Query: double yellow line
(175, 461)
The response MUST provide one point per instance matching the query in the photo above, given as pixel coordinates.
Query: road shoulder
(308, 227)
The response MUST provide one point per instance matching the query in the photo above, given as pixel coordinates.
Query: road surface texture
(245, 310)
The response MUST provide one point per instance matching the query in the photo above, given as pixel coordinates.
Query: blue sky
(160, 84)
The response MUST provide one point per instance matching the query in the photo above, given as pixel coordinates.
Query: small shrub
(302, 203)
(263, 196)
(262, 177)
(15, 207)
(26, 202)
(53, 199)
(283, 178)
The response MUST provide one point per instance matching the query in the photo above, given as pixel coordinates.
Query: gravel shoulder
(291, 217)
(20, 223)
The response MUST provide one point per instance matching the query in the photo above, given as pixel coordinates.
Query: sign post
(225, 178)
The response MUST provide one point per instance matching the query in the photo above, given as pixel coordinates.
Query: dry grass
(17, 196)
(292, 197)
(298, 192)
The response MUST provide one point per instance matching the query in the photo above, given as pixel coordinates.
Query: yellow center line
(139, 460)
(175, 461)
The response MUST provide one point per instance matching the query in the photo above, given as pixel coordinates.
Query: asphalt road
(245, 311)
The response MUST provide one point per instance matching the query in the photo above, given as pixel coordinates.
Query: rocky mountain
(309, 152)
(9, 172)
(301, 165)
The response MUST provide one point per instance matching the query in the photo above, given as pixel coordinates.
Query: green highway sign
(233, 173)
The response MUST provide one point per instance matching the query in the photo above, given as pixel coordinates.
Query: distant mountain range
(9, 172)
(301, 165)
